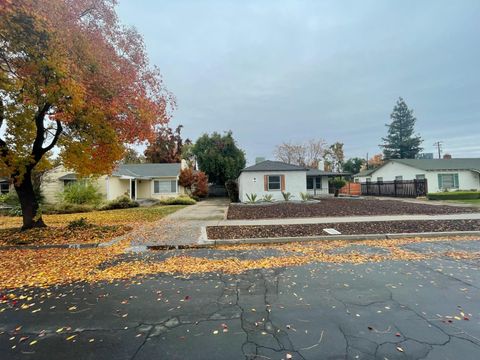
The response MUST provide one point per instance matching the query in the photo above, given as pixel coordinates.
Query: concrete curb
(63, 246)
(340, 237)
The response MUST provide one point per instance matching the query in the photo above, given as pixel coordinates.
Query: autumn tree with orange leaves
(72, 78)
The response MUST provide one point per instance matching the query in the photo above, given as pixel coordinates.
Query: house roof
(472, 164)
(71, 176)
(147, 170)
(442, 164)
(365, 172)
(317, 172)
(269, 165)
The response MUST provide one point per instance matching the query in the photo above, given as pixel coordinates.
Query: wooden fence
(397, 188)
(352, 189)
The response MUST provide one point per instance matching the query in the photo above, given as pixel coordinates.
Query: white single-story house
(275, 177)
(441, 174)
(138, 181)
(5, 186)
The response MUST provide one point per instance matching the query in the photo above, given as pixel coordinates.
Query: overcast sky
(274, 71)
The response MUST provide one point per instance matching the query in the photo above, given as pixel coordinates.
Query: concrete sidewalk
(346, 219)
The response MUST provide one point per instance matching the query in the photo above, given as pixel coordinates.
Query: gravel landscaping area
(331, 207)
(382, 227)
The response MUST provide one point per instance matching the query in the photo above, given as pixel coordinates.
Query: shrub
(337, 183)
(232, 190)
(122, 202)
(287, 196)
(10, 199)
(305, 196)
(194, 182)
(456, 195)
(200, 187)
(251, 198)
(268, 198)
(180, 200)
(15, 210)
(81, 192)
(81, 223)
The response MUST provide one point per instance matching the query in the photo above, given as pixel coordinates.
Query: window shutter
(440, 182)
(455, 181)
(265, 182)
(282, 182)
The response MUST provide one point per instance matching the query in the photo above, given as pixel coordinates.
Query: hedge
(456, 195)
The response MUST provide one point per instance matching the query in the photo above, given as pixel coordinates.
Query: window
(368, 179)
(399, 178)
(274, 182)
(318, 183)
(448, 181)
(379, 179)
(420, 177)
(310, 183)
(68, 182)
(164, 186)
(4, 187)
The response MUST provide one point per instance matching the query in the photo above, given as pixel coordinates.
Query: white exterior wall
(51, 186)
(253, 182)
(467, 179)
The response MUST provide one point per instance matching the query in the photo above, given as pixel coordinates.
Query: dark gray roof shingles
(147, 170)
(269, 165)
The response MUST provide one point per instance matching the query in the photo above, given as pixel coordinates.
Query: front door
(133, 189)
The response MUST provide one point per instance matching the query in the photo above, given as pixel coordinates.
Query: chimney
(447, 157)
(321, 165)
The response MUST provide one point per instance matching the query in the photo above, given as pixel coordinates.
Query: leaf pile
(49, 267)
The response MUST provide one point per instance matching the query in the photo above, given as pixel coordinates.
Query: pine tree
(401, 141)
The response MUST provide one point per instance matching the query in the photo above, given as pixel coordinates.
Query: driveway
(184, 227)
(396, 309)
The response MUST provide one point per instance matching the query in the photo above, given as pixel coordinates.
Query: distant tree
(132, 157)
(308, 154)
(167, 146)
(401, 142)
(375, 161)
(353, 165)
(334, 157)
(219, 157)
(188, 155)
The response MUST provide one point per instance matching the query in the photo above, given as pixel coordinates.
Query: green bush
(10, 199)
(287, 196)
(81, 192)
(232, 190)
(268, 198)
(81, 223)
(122, 202)
(456, 195)
(305, 196)
(180, 200)
(251, 198)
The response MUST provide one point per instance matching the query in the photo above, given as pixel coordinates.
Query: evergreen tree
(401, 142)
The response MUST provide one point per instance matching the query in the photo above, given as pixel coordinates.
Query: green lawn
(475, 202)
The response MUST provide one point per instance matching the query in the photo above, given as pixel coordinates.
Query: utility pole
(438, 145)
(367, 161)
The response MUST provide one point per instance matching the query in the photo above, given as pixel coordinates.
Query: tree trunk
(32, 218)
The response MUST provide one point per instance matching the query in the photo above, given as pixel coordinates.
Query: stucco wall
(467, 179)
(252, 182)
(117, 187)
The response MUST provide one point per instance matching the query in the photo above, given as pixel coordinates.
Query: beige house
(138, 181)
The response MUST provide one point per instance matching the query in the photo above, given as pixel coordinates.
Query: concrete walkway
(184, 227)
(345, 219)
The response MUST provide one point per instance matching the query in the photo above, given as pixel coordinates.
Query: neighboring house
(275, 177)
(441, 174)
(138, 181)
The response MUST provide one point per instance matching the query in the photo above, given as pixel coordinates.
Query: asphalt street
(427, 309)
